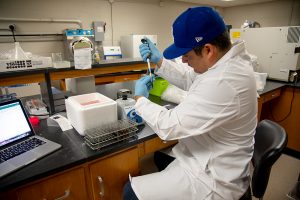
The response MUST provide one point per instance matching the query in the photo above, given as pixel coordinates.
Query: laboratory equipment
(143, 40)
(58, 62)
(36, 107)
(78, 38)
(56, 103)
(123, 91)
(112, 52)
(99, 30)
(101, 136)
(130, 44)
(126, 109)
(277, 49)
(89, 111)
(16, 59)
(81, 85)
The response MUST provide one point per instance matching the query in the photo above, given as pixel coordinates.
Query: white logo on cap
(198, 39)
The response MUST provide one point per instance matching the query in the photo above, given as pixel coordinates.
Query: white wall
(137, 17)
(128, 16)
(271, 14)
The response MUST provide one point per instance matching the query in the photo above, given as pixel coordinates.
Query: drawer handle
(164, 141)
(66, 195)
(101, 183)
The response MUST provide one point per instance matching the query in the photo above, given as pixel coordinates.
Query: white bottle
(126, 110)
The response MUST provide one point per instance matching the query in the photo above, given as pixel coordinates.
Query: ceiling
(225, 3)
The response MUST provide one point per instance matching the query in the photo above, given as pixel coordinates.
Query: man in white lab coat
(214, 125)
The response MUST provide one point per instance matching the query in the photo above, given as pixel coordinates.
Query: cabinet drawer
(271, 95)
(110, 174)
(69, 185)
(12, 194)
(157, 144)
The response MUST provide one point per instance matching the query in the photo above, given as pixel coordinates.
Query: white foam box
(90, 111)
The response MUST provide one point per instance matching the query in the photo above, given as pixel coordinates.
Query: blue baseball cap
(194, 27)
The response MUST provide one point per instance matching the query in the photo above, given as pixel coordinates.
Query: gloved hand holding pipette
(149, 53)
(149, 50)
(143, 86)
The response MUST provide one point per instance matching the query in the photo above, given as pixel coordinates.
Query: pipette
(148, 58)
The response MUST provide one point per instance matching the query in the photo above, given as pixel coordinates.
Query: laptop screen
(13, 122)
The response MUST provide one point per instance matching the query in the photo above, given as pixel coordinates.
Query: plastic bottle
(96, 56)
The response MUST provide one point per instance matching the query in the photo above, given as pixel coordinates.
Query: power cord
(290, 110)
(12, 28)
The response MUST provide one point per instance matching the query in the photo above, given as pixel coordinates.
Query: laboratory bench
(105, 67)
(77, 172)
(282, 105)
(107, 71)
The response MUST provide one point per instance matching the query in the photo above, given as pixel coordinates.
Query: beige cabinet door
(156, 144)
(68, 186)
(109, 175)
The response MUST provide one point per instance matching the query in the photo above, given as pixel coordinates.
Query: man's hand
(149, 49)
(143, 86)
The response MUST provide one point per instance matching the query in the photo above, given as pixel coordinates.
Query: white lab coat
(214, 125)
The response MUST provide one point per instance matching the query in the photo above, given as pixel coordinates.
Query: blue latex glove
(149, 48)
(143, 86)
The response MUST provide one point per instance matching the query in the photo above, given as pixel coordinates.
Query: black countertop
(273, 85)
(75, 152)
(270, 86)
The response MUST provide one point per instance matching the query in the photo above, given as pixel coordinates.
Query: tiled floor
(284, 176)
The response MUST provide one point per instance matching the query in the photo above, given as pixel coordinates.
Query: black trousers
(162, 160)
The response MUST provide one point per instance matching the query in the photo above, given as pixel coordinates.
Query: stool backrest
(270, 141)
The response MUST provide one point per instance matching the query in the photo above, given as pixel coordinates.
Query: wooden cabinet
(271, 95)
(109, 175)
(69, 185)
(129, 77)
(265, 98)
(9, 195)
(117, 78)
(108, 79)
(286, 111)
(101, 179)
(156, 144)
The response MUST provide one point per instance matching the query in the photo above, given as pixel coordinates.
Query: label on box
(83, 58)
(131, 114)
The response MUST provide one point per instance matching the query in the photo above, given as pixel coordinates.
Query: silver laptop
(19, 146)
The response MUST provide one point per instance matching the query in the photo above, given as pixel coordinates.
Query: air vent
(293, 34)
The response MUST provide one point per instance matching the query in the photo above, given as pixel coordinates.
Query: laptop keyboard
(19, 148)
